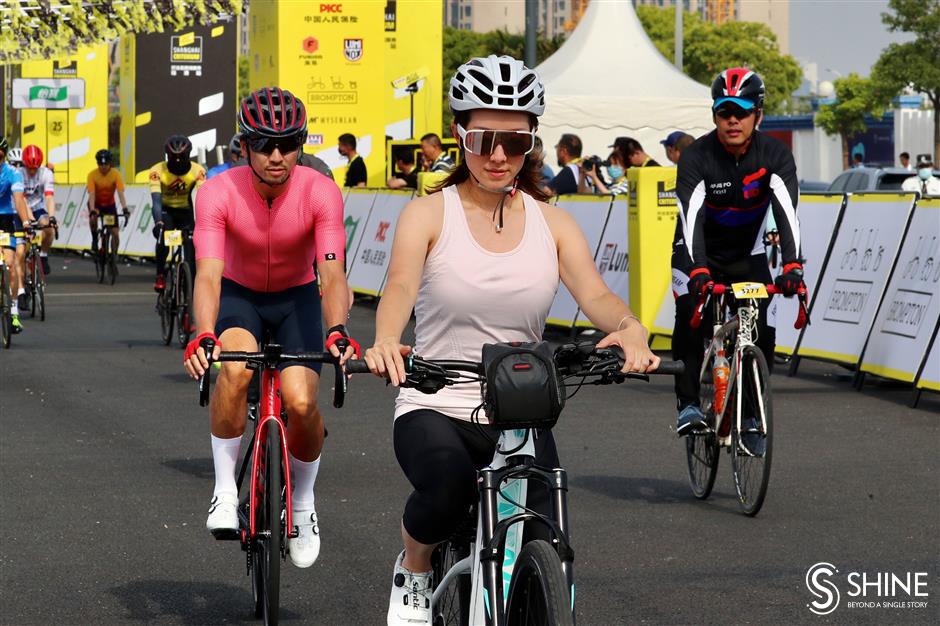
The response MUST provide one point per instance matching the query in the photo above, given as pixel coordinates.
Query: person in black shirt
(406, 174)
(633, 153)
(727, 185)
(356, 175)
(568, 151)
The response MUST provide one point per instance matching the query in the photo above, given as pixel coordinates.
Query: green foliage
(708, 48)
(39, 29)
(462, 45)
(244, 86)
(856, 97)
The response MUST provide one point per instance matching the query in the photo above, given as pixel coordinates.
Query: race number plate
(110, 220)
(749, 290)
(4, 239)
(173, 238)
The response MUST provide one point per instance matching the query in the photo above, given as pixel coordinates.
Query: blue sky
(844, 35)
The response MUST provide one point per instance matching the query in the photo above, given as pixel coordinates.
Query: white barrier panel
(854, 282)
(137, 238)
(62, 194)
(908, 316)
(590, 213)
(356, 209)
(818, 215)
(371, 264)
(76, 207)
(930, 376)
(613, 258)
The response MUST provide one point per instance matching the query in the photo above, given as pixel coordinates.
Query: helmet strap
(509, 191)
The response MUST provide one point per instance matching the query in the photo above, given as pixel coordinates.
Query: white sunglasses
(483, 142)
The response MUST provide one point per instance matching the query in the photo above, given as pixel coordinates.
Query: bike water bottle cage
(521, 387)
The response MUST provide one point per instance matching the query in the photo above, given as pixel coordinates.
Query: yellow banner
(69, 138)
(331, 55)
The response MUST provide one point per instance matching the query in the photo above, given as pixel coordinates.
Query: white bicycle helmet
(498, 83)
(15, 156)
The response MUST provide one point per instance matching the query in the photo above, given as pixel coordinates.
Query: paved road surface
(106, 475)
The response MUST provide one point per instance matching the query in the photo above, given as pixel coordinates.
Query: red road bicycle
(264, 512)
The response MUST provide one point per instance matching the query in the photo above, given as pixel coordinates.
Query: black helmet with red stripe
(739, 85)
(272, 112)
(178, 148)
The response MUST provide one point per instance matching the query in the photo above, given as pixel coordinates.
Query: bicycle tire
(165, 307)
(184, 299)
(454, 606)
(538, 591)
(40, 299)
(752, 473)
(31, 282)
(100, 257)
(112, 268)
(270, 528)
(6, 312)
(701, 448)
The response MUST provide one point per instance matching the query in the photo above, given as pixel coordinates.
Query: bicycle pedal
(226, 534)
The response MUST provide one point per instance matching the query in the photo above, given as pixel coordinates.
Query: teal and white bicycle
(491, 572)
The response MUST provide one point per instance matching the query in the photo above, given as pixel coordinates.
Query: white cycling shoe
(223, 516)
(305, 547)
(410, 601)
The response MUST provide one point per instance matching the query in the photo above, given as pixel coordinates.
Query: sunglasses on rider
(267, 145)
(483, 142)
(727, 111)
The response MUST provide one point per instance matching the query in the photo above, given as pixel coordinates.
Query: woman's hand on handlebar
(637, 356)
(194, 359)
(385, 360)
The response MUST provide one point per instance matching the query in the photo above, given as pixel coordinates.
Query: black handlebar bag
(522, 388)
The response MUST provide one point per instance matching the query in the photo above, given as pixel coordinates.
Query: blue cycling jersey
(10, 180)
(218, 169)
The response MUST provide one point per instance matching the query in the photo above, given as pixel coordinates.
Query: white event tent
(608, 80)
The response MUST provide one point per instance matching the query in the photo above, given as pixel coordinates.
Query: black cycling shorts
(292, 317)
(110, 209)
(11, 223)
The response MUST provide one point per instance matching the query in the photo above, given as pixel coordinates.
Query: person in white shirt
(924, 182)
(905, 159)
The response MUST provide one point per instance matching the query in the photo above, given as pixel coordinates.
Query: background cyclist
(39, 188)
(479, 262)
(729, 183)
(13, 214)
(259, 229)
(234, 155)
(103, 181)
(171, 184)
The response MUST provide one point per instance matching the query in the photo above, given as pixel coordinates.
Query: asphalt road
(105, 477)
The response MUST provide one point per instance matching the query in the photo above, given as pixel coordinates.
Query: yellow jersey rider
(171, 185)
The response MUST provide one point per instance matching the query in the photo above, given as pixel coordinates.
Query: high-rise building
(556, 17)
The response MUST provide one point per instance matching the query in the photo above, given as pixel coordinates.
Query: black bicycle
(6, 303)
(489, 572)
(175, 301)
(35, 279)
(106, 255)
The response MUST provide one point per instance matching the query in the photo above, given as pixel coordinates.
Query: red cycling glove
(193, 345)
(338, 336)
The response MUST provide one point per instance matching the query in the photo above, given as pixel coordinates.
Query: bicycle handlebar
(717, 289)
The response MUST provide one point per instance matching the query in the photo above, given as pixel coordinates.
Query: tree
(708, 48)
(915, 64)
(856, 97)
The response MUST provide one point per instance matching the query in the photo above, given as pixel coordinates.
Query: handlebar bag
(521, 387)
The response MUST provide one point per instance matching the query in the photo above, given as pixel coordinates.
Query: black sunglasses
(267, 145)
(729, 111)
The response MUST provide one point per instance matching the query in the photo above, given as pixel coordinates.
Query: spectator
(356, 174)
(539, 154)
(234, 154)
(406, 175)
(684, 142)
(435, 159)
(857, 160)
(632, 152)
(568, 153)
(617, 172)
(670, 143)
(924, 182)
(905, 161)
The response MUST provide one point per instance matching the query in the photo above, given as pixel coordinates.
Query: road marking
(100, 294)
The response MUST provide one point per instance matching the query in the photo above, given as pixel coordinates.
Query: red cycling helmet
(272, 112)
(32, 157)
(739, 85)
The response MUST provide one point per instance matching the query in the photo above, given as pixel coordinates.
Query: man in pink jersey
(259, 229)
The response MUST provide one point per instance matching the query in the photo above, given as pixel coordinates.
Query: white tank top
(470, 296)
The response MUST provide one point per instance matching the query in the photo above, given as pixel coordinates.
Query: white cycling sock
(43, 254)
(303, 476)
(224, 458)
(14, 308)
(21, 291)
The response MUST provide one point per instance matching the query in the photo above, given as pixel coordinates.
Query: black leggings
(440, 456)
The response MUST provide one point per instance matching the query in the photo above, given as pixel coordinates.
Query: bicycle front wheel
(453, 608)
(165, 308)
(112, 268)
(184, 304)
(751, 448)
(701, 448)
(538, 592)
(269, 530)
(6, 304)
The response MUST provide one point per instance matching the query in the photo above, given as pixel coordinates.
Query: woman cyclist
(480, 263)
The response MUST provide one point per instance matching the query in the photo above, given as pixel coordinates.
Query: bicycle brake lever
(339, 385)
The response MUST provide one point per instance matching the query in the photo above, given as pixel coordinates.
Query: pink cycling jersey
(269, 247)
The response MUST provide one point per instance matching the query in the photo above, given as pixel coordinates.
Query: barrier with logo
(818, 217)
(590, 212)
(613, 258)
(76, 217)
(367, 274)
(929, 376)
(910, 311)
(137, 237)
(357, 207)
(850, 290)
